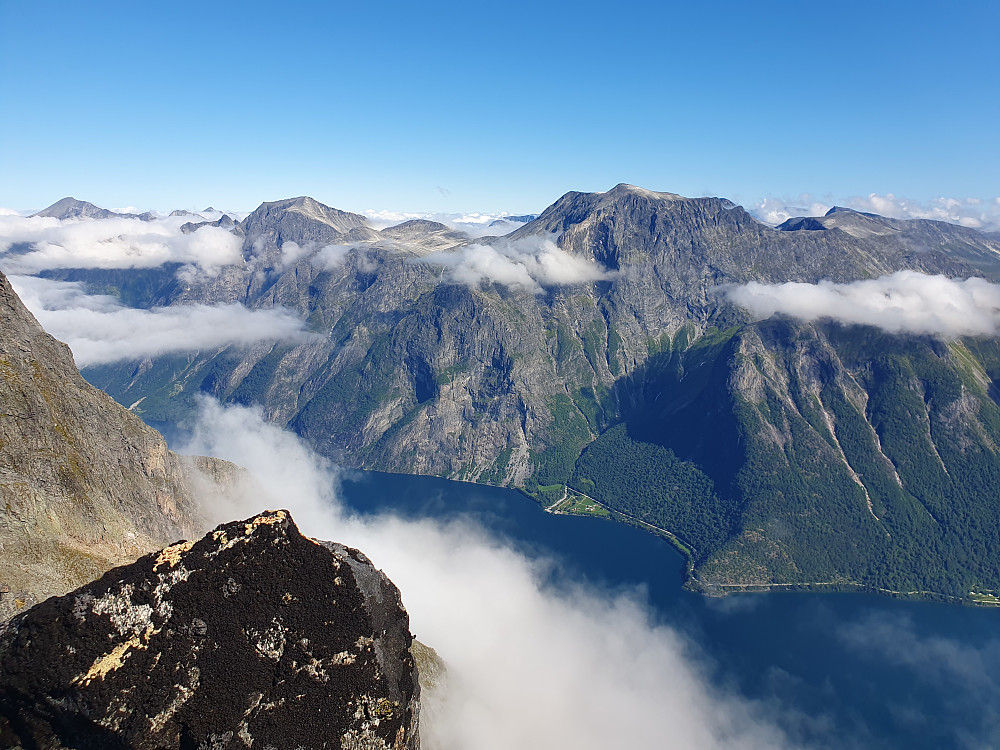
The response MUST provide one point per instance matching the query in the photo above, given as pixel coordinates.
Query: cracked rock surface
(253, 636)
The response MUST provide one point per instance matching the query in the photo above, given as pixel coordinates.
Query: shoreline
(720, 590)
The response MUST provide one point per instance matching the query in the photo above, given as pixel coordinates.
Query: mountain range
(595, 347)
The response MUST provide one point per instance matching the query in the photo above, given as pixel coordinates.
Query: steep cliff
(84, 483)
(253, 636)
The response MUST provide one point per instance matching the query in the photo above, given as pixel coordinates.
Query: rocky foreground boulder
(254, 636)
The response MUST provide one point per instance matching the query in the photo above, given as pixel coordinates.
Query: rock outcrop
(84, 484)
(253, 636)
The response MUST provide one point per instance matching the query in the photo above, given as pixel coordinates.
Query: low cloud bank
(113, 243)
(903, 302)
(99, 329)
(976, 213)
(529, 666)
(529, 264)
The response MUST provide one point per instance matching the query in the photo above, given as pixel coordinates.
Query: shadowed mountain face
(84, 484)
(503, 364)
(253, 635)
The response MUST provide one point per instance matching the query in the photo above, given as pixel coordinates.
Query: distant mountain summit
(279, 217)
(428, 235)
(962, 243)
(71, 208)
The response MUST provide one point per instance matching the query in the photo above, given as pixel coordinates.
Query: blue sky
(470, 107)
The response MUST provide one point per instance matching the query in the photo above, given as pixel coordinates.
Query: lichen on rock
(252, 636)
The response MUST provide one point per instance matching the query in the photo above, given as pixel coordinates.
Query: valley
(599, 347)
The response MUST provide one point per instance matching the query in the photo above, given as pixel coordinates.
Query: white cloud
(903, 302)
(99, 329)
(531, 264)
(774, 211)
(382, 218)
(969, 212)
(292, 252)
(529, 666)
(331, 256)
(113, 243)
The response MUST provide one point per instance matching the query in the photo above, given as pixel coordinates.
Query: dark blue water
(833, 670)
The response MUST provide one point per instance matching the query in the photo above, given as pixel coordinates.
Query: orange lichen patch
(172, 554)
(116, 658)
(274, 517)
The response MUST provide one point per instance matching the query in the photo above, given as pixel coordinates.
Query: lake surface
(838, 670)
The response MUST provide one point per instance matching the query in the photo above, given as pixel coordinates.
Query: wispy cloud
(976, 213)
(903, 302)
(774, 211)
(331, 257)
(531, 264)
(99, 329)
(965, 675)
(112, 243)
(529, 666)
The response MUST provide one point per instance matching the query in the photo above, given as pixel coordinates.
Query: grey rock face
(225, 222)
(495, 383)
(981, 251)
(84, 484)
(253, 636)
(425, 235)
(419, 374)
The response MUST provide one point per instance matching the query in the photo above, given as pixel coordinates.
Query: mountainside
(84, 484)
(977, 248)
(250, 636)
(502, 364)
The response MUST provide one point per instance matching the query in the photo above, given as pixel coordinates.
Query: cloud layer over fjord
(530, 264)
(113, 243)
(903, 302)
(530, 666)
(99, 329)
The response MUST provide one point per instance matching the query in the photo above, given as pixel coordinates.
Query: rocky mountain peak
(252, 635)
(425, 235)
(301, 220)
(415, 226)
(71, 208)
(623, 190)
(627, 204)
(307, 208)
